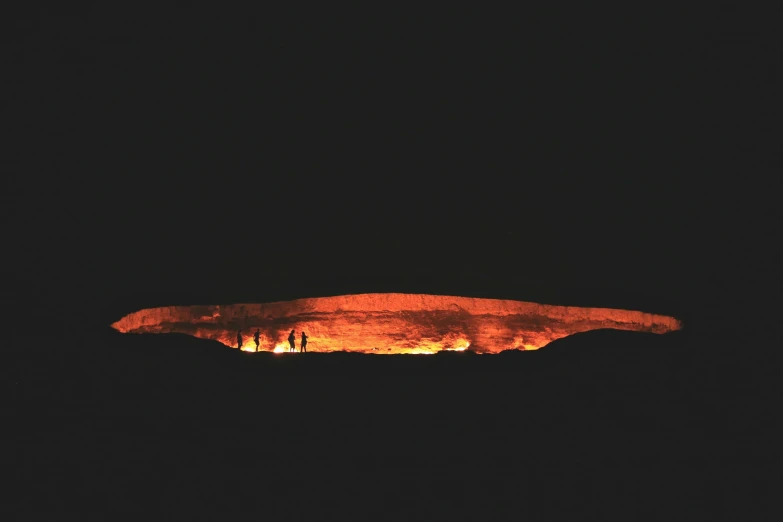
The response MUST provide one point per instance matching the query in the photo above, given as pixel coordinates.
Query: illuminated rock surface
(391, 323)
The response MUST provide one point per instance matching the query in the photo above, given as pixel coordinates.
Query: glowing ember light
(391, 323)
(420, 351)
(462, 349)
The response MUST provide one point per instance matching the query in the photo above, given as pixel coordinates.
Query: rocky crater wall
(391, 323)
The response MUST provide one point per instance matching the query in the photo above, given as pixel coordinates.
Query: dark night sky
(161, 150)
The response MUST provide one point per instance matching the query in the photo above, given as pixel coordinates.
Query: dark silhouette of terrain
(601, 424)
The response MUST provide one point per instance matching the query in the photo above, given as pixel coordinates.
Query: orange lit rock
(391, 323)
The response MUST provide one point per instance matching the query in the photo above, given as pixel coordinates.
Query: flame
(459, 349)
(391, 323)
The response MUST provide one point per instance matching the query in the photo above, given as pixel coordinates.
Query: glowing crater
(391, 323)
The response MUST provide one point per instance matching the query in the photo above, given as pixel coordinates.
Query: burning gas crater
(390, 323)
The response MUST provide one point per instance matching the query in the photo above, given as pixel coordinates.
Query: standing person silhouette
(256, 336)
(292, 341)
(304, 343)
(239, 339)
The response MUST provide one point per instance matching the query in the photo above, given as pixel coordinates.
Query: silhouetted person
(255, 338)
(239, 339)
(292, 341)
(304, 343)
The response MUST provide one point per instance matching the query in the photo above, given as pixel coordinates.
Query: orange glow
(282, 348)
(391, 323)
(460, 349)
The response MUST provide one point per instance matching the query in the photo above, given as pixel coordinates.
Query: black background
(192, 147)
(197, 154)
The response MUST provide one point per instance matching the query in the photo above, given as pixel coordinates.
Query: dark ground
(601, 425)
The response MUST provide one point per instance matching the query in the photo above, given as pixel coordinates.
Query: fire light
(392, 323)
